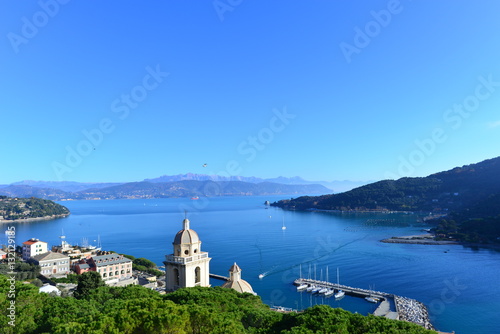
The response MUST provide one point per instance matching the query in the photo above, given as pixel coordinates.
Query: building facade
(51, 263)
(110, 266)
(33, 247)
(187, 266)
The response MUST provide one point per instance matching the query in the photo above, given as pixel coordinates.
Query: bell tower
(187, 266)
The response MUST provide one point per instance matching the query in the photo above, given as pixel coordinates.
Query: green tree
(87, 282)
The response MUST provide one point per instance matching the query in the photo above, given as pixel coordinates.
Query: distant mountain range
(155, 189)
(336, 186)
(173, 186)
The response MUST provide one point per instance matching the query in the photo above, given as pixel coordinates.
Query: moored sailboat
(340, 293)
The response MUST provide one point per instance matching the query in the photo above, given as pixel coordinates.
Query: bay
(460, 287)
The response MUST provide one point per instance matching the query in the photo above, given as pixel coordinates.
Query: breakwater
(412, 310)
(407, 309)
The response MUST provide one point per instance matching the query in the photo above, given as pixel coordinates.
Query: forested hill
(470, 195)
(24, 208)
(452, 190)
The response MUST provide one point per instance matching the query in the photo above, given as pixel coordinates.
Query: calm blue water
(460, 287)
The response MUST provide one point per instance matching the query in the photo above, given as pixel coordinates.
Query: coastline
(420, 239)
(28, 220)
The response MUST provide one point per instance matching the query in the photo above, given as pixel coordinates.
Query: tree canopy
(134, 309)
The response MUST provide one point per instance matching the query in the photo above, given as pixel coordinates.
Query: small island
(29, 209)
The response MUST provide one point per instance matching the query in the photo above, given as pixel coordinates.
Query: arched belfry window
(176, 276)
(197, 275)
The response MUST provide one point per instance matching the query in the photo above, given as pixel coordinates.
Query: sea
(459, 285)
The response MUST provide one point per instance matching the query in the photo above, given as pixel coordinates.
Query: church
(188, 266)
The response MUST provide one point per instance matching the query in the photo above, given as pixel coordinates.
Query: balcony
(184, 260)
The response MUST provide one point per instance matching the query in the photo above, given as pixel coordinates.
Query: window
(197, 276)
(176, 276)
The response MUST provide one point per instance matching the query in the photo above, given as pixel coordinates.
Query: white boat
(329, 292)
(261, 276)
(324, 290)
(315, 290)
(310, 288)
(340, 293)
(370, 298)
(283, 227)
(302, 286)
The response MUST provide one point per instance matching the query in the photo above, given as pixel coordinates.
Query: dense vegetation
(135, 309)
(23, 208)
(477, 224)
(23, 270)
(470, 195)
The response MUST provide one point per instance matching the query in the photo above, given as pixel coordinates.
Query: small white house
(47, 288)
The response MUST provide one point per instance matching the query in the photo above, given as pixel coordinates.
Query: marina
(390, 306)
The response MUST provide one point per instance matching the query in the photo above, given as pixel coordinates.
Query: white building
(187, 266)
(33, 247)
(46, 288)
(52, 263)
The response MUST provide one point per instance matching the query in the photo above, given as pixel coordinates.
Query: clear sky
(97, 91)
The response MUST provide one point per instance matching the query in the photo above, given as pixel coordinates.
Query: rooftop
(113, 258)
(48, 256)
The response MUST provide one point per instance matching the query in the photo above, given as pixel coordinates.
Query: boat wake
(276, 269)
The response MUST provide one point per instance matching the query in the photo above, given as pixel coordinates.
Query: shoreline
(420, 239)
(428, 239)
(29, 220)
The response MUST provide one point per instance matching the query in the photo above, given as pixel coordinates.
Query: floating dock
(407, 309)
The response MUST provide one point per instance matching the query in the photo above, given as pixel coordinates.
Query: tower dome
(186, 235)
(186, 242)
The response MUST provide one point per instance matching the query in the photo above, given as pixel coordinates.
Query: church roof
(234, 268)
(186, 235)
(239, 285)
(235, 282)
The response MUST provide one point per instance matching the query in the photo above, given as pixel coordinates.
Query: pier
(222, 278)
(407, 309)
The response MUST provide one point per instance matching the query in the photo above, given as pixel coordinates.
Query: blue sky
(326, 90)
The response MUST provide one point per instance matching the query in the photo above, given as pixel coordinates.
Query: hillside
(28, 208)
(470, 195)
(455, 189)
